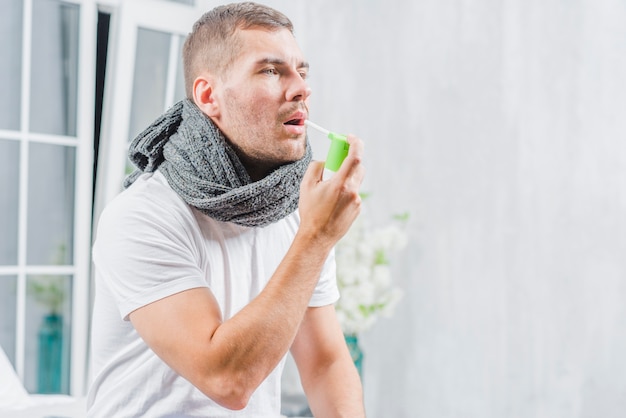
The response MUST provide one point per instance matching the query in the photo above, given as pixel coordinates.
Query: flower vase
(50, 352)
(352, 340)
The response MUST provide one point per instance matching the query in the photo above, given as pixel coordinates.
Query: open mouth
(295, 122)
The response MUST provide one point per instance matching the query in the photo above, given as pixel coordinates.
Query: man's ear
(204, 95)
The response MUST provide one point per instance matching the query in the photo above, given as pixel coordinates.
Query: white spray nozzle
(316, 126)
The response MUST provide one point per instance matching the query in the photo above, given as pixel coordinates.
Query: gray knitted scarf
(200, 165)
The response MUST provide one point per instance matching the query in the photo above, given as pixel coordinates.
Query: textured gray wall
(500, 125)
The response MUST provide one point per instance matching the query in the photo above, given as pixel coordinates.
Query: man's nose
(298, 89)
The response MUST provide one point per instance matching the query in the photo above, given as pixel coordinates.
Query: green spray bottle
(338, 147)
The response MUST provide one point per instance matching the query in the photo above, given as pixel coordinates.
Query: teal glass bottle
(50, 354)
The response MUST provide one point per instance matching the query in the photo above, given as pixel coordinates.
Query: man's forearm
(336, 392)
(329, 377)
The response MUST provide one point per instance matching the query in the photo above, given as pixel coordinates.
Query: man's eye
(271, 71)
(303, 74)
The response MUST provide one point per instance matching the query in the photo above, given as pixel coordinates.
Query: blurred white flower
(364, 275)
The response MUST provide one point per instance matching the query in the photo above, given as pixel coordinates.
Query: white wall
(501, 127)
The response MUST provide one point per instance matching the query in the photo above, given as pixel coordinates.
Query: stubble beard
(267, 147)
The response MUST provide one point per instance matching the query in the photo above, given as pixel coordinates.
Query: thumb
(314, 172)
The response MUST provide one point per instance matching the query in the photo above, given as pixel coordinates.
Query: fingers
(352, 171)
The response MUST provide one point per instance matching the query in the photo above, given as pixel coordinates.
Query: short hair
(213, 44)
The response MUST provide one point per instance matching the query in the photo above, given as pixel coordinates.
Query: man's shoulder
(149, 190)
(149, 198)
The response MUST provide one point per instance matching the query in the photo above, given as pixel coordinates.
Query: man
(218, 257)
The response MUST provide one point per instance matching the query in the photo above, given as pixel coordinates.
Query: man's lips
(295, 125)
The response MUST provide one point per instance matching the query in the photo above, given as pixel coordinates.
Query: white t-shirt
(150, 245)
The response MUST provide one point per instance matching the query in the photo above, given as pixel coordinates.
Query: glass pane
(8, 302)
(150, 78)
(50, 204)
(54, 75)
(47, 333)
(179, 93)
(9, 189)
(11, 67)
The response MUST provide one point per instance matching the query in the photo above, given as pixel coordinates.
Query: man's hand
(328, 208)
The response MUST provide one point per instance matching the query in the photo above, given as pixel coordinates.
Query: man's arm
(228, 360)
(329, 378)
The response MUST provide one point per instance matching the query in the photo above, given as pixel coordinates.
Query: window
(46, 161)
(147, 62)
(51, 91)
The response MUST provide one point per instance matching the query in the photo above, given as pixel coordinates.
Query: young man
(218, 257)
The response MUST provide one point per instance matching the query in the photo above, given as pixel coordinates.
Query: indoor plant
(364, 276)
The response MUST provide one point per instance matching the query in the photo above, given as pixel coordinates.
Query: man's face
(263, 100)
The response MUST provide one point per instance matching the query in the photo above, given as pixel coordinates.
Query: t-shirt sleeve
(144, 252)
(326, 292)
